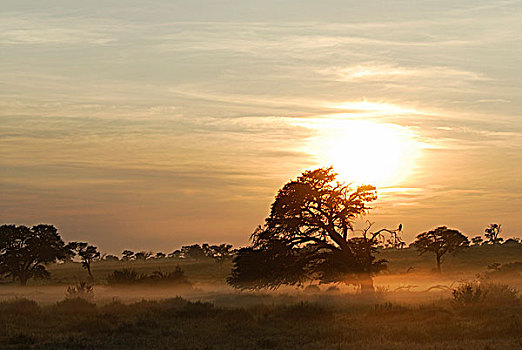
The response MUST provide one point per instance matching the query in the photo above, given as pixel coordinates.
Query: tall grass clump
(467, 294)
(83, 290)
(485, 294)
(124, 277)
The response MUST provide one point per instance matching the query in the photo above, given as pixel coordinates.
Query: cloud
(376, 72)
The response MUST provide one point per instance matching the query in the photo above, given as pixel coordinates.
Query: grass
(202, 271)
(180, 324)
(399, 317)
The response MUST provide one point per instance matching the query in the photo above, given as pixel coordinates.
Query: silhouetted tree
(307, 237)
(220, 253)
(87, 253)
(492, 233)
(127, 255)
(110, 257)
(143, 255)
(194, 251)
(159, 255)
(175, 254)
(440, 241)
(24, 251)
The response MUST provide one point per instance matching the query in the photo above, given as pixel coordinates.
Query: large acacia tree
(25, 251)
(309, 235)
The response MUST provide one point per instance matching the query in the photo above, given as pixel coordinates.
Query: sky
(148, 125)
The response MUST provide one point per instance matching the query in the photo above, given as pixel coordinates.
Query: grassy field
(412, 309)
(468, 262)
(314, 324)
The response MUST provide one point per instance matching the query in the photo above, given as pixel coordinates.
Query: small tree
(175, 254)
(87, 253)
(110, 257)
(24, 251)
(143, 255)
(194, 251)
(220, 253)
(127, 255)
(440, 241)
(492, 233)
(159, 255)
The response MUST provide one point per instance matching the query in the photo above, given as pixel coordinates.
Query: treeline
(26, 251)
(220, 253)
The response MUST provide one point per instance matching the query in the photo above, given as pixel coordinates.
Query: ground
(412, 309)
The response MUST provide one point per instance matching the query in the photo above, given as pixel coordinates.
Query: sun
(365, 152)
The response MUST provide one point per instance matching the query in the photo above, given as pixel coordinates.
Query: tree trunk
(367, 287)
(89, 271)
(438, 263)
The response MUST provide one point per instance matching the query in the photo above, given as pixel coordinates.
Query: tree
(159, 255)
(220, 253)
(440, 241)
(87, 253)
(110, 257)
(307, 237)
(492, 233)
(24, 251)
(127, 255)
(175, 254)
(194, 251)
(143, 255)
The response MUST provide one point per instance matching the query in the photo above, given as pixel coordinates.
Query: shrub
(124, 276)
(497, 294)
(131, 277)
(312, 289)
(505, 271)
(489, 294)
(82, 290)
(176, 277)
(75, 306)
(20, 306)
(333, 289)
(469, 293)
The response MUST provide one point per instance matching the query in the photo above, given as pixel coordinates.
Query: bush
(81, 290)
(124, 276)
(131, 277)
(505, 271)
(312, 289)
(469, 293)
(176, 277)
(489, 294)
(497, 294)
(20, 306)
(75, 306)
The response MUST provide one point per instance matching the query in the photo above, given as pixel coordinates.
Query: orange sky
(131, 126)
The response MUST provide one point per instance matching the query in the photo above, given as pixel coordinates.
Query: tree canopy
(25, 251)
(492, 233)
(440, 241)
(87, 253)
(309, 235)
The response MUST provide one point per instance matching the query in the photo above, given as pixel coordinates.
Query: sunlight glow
(364, 152)
(375, 107)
